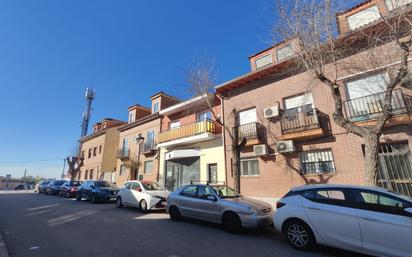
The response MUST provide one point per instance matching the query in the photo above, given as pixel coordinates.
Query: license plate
(112, 198)
(164, 204)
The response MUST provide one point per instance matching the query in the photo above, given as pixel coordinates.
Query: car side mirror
(408, 210)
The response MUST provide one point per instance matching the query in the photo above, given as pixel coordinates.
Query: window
(189, 191)
(364, 17)
(131, 117)
(375, 201)
(394, 4)
(86, 175)
(91, 174)
(174, 124)
(90, 153)
(298, 103)
(80, 175)
(247, 116)
(128, 185)
(94, 151)
(204, 191)
(249, 167)
(83, 154)
(284, 53)
(317, 161)
(156, 107)
(121, 170)
(136, 186)
(150, 136)
(329, 194)
(202, 116)
(148, 165)
(125, 148)
(263, 61)
(100, 149)
(366, 86)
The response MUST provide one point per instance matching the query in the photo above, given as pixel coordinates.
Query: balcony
(364, 110)
(254, 133)
(300, 124)
(190, 133)
(123, 153)
(149, 147)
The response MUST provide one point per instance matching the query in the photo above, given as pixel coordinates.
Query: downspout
(222, 109)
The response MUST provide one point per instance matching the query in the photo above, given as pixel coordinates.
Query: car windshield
(226, 192)
(151, 186)
(75, 183)
(103, 184)
(59, 182)
(45, 182)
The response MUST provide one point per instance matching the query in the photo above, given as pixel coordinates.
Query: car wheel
(93, 199)
(78, 197)
(231, 223)
(174, 213)
(119, 203)
(143, 206)
(299, 235)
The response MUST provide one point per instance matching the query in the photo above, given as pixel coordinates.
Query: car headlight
(252, 210)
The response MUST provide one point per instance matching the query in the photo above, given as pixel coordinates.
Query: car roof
(320, 186)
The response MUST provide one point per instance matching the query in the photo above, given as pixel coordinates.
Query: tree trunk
(236, 159)
(371, 158)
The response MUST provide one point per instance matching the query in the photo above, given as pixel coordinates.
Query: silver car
(219, 204)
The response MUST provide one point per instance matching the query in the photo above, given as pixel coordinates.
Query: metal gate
(395, 168)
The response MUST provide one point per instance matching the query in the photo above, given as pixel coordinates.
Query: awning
(184, 153)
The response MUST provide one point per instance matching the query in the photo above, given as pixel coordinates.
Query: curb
(3, 248)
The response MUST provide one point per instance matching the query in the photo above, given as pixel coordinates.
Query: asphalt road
(49, 226)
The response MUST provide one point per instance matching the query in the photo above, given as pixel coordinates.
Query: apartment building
(137, 154)
(190, 144)
(99, 150)
(286, 119)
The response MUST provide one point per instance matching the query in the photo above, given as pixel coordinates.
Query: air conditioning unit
(271, 112)
(260, 150)
(285, 146)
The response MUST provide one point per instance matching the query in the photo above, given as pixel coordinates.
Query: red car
(69, 189)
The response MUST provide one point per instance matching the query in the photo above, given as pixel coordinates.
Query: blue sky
(126, 49)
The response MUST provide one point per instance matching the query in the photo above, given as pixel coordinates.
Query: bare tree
(74, 163)
(201, 78)
(309, 26)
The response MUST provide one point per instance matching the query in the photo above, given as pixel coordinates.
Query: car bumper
(254, 221)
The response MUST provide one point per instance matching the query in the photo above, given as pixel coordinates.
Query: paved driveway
(42, 225)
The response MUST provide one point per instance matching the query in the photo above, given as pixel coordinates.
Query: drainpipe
(222, 109)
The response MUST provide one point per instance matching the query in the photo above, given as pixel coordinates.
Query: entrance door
(395, 168)
(212, 173)
(181, 172)
(172, 177)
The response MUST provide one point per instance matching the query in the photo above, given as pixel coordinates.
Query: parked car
(22, 187)
(362, 219)
(53, 188)
(144, 194)
(97, 190)
(219, 204)
(42, 186)
(69, 189)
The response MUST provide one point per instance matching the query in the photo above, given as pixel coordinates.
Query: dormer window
(131, 117)
(156, 107)
(394, 4)
(263, 61)
(284, 53)
(364, 17)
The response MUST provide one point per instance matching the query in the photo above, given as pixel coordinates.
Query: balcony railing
(123, 153)
(149, 146)
(252, 130)
(192, 129)
(300, 121)
(367, 107)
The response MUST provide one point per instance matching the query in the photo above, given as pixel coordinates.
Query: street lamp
(139, 140)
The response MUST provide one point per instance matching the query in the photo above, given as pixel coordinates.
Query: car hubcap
(144, 205)
(297, 235)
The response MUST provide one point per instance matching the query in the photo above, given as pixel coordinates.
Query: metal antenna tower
(90, 95)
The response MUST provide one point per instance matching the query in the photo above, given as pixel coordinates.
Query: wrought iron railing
(299, 121)
(251, 130)
(367, 107)
(188, 130)
(149, 146)
(123, 153)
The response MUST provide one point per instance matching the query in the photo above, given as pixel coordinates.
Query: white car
(144, 194)
(362, 219)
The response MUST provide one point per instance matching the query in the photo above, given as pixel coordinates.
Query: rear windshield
(75, 183)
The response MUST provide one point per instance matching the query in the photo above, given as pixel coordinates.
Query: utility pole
(64, 167)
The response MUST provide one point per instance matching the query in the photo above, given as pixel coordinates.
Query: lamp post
(139, 141)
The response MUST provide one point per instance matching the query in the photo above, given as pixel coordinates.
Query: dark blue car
(97, 191)
(53, 188)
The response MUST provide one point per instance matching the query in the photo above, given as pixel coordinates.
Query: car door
(187, 201)
(136, 194)
(332, 218)
(125, 193)
(386, 228)
(206, 204)
(83, 191)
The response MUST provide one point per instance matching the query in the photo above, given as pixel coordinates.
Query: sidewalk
(3, 248)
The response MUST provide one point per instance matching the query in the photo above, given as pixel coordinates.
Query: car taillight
(280, 205)
(73, 189)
